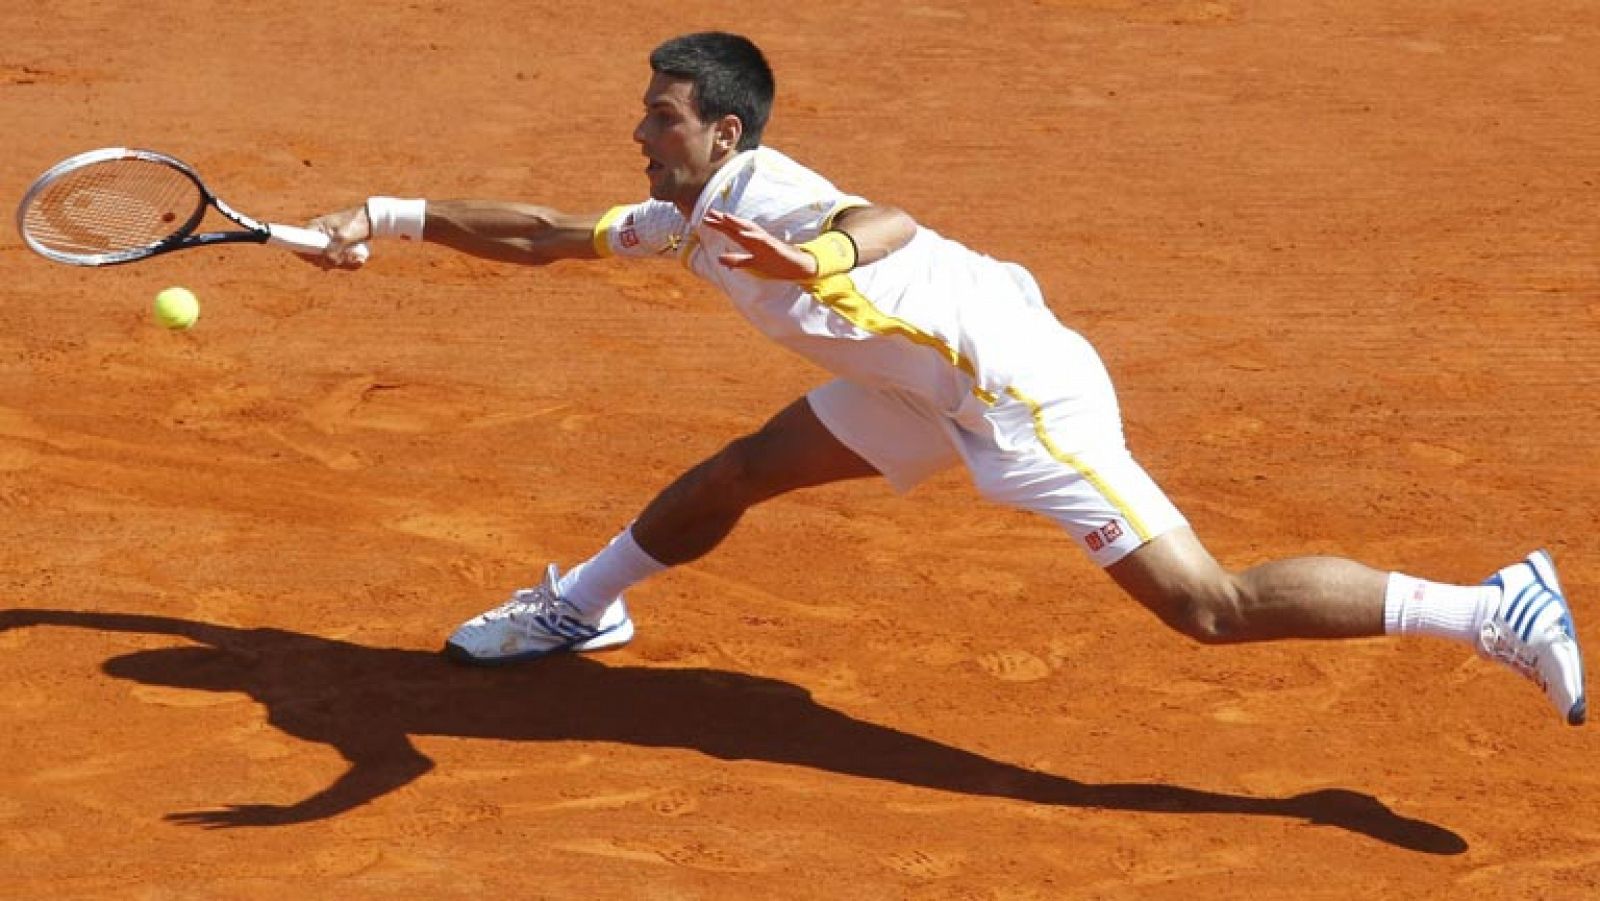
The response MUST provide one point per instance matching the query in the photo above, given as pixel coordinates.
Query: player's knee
(1209, 614)
(728, 476)
(745, 472)
(793, 450)
(1179, 581)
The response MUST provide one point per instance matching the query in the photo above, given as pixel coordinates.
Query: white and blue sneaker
(534, 623)
(1532, 633)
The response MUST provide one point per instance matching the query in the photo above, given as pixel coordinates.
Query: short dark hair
(730, 76)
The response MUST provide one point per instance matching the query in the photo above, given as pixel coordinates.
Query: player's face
(682, 149)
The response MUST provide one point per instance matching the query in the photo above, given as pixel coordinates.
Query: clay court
(1339, 257)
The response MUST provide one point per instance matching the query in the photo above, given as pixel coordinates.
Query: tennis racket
(117, 205)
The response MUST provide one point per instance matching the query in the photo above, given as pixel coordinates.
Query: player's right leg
(1077, 472)
(1519, 617)
(1178, 580)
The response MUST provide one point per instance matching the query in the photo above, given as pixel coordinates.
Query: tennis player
(942, 356)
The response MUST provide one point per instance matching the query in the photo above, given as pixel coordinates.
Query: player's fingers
(339, 256)
(347, 251)
(718, 222)
(734, 227)
(346, 230)
(355, 257)
(332, 256)
(348, 256)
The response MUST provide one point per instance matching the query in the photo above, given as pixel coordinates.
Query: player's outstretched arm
(105, 621)
(378, 765)
(511, 232)
(495, 230)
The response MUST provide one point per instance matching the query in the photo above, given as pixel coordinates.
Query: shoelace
(525, 602)
(538, 611)
(1505, 647)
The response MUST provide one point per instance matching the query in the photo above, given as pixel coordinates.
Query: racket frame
(299, 240)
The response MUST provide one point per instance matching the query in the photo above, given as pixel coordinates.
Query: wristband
(394, 217)
(835, 252)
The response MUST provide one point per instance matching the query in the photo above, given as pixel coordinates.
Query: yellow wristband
(834, 251)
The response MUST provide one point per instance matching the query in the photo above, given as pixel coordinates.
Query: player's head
(708, 99)
(730, 76)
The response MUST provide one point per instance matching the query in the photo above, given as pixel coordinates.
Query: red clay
(1340, 259)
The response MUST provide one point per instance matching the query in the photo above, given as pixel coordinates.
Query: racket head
(112, 205)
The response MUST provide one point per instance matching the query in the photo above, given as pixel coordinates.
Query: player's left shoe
(1532, 633)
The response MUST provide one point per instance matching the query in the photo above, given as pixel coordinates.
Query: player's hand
(346, 230)
(759, 250)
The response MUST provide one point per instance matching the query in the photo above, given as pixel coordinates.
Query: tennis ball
(177, 308)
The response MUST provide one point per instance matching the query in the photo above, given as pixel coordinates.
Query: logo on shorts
(630, 238)
(1104, 537)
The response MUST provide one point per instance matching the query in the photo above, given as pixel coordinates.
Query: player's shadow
(367, 703)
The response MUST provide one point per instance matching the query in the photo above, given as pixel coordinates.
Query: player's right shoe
(1531, 632)
(536, 622)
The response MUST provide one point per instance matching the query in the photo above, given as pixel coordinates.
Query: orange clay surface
(1339, 256)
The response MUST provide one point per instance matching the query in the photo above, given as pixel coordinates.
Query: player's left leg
(837, 432)
(583, 610)
(793, 450)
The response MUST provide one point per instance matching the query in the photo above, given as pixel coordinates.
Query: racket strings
(113, 206)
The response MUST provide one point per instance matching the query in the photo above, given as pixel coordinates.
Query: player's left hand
(759, 250)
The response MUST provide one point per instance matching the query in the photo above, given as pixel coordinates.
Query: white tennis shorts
(1054, 445)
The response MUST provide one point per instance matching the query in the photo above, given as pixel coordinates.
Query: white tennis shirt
(933, 318)
(994, 379)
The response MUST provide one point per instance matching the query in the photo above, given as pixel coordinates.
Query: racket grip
(308, 241)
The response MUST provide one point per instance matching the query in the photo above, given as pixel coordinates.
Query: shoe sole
(612, 638)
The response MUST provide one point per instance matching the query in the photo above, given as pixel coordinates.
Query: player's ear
(728, 132)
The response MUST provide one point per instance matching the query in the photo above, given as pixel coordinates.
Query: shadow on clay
(367, 703)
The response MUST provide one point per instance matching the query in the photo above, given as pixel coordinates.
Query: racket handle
(308, 241)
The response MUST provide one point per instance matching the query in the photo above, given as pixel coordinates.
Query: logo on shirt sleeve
(629, 235)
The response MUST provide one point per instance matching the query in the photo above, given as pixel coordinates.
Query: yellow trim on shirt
(838, 293)
(602, 230)
(686, 250)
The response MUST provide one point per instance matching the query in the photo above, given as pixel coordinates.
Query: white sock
(592, 585)
(1414, 606)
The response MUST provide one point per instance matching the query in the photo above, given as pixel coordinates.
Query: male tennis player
(942, 356)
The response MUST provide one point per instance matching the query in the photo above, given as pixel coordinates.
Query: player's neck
(686, 204)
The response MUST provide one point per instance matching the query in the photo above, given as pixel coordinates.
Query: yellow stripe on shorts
(1079, 466)
(838, 293)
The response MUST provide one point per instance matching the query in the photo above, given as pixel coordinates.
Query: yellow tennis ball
(177, 308)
